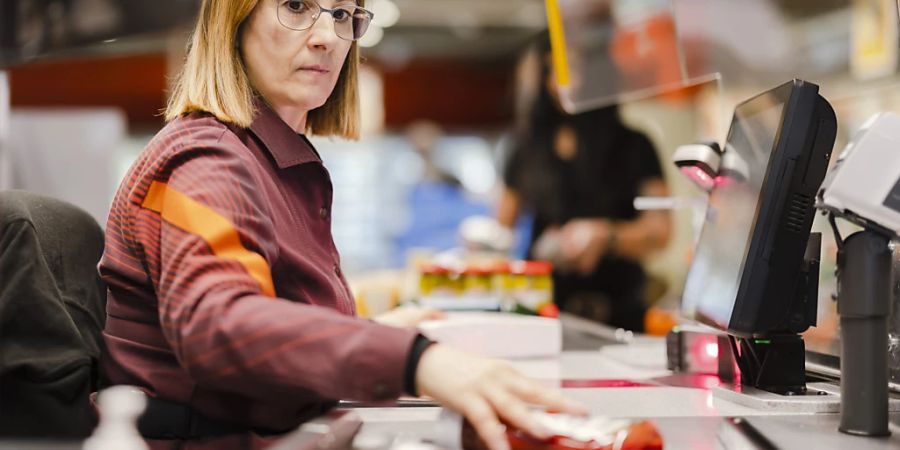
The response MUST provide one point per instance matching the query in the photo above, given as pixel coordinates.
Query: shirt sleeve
(218, 308)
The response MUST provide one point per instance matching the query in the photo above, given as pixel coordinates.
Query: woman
(579, 175)
(226, 300)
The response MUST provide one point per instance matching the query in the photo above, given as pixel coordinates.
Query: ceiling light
(386, 13)
(372, 37)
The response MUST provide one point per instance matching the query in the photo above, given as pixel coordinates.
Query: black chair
(52, 311)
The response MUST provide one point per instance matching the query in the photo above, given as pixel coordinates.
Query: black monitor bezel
(774, 257)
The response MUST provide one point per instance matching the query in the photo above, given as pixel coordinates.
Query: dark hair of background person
(600, 133)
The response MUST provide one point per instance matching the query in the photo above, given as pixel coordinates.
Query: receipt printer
(864, 185)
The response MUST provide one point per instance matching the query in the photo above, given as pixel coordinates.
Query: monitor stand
(776, 362)
(769, 372)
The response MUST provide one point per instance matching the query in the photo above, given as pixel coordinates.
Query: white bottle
(120, 407)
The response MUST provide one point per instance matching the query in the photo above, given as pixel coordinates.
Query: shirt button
(323, 213)
(337, 269)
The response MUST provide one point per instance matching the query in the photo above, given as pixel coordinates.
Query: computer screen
(743, 277)
(731, 215)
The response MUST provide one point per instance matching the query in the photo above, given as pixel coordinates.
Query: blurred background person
(579, 175)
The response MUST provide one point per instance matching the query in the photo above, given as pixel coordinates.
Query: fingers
(481, 415)
(515, 412)
(510, 401)
(591, 253)
(486, 391)
(568, 243)
(578, 239)
(532, 392)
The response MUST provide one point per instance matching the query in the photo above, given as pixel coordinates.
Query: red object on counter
(639, 436)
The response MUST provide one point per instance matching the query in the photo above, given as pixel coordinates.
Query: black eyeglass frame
(369, 16)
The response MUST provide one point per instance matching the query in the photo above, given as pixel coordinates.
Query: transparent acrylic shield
(613, 51)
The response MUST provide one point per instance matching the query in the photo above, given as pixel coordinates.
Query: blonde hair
(214, 79)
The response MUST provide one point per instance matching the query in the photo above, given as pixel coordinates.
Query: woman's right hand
(488, 393)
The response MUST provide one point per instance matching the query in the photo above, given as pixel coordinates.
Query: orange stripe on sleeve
(220, 234)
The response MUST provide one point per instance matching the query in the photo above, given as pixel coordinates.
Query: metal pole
(864, 303)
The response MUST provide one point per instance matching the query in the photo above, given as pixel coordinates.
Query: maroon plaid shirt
(225, 289)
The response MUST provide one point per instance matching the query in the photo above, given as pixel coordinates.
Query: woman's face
(294, 70)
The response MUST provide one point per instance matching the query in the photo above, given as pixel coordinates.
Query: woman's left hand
(408, 316)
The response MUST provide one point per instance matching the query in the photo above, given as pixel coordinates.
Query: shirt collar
(284, 144)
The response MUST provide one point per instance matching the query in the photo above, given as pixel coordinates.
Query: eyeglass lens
(350, 22)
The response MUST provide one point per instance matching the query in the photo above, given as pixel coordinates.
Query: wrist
(420, 346)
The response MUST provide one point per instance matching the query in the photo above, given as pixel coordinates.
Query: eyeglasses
(350, 22)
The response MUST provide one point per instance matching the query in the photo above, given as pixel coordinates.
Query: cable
(737, 357)
(837, 232)
(754, 355)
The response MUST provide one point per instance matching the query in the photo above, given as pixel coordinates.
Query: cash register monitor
(747, 261)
